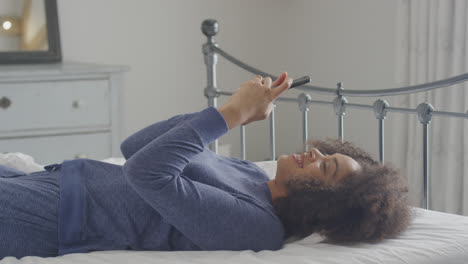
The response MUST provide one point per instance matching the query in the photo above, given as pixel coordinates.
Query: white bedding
(433, 237)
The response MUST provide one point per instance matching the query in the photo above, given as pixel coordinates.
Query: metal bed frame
(424, 111)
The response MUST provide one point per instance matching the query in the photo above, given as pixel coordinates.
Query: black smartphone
(300, 81)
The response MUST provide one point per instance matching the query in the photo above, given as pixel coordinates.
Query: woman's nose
(316, 154)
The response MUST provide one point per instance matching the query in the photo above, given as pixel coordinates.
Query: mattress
(433, 237)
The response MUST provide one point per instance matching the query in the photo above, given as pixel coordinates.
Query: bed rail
(424, 111)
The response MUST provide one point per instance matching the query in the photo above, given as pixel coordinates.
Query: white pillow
(20, 161)
(269, 167)
(114, 160)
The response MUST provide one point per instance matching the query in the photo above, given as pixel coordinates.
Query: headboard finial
(339, 88)
(304, 100)
(380, 109)
(209, 27)
(425, 113)
(339, 104)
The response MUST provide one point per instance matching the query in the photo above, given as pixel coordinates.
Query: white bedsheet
(433, 237)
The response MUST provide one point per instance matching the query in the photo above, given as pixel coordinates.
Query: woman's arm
(243, 107)
(139, 139)
(211, 218)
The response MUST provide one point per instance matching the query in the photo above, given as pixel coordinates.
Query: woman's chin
(284, 168)
(281, 162)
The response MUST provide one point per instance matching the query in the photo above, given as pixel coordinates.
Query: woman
(175, 194)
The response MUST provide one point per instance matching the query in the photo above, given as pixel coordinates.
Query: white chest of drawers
(56, 112)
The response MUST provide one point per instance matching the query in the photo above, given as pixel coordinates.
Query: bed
(432, 237)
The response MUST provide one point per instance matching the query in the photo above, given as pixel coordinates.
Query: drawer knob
(5, 102)
(78, 104)
(81, 156)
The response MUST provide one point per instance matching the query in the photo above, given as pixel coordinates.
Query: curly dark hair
(367, 206)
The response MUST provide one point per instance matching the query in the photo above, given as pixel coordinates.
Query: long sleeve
(139, 139)
(210, 217)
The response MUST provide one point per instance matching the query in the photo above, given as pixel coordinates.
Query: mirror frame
(52, 55)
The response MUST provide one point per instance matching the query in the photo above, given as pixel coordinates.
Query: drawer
(55, 149)
(54, 105)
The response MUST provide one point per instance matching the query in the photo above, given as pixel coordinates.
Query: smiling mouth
(299, 160)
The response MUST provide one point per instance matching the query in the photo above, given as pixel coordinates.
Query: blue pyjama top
(172, 193)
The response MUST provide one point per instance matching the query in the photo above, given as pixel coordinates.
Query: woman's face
(329, 169)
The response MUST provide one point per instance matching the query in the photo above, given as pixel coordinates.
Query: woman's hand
(253, 100)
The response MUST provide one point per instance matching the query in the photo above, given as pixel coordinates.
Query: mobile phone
(300, 81)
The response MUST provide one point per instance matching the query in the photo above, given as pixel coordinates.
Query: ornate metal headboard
(424, 111)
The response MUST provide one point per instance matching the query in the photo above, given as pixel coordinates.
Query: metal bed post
(210, 29)
(303, 100)
(339, 104)
(425, 115)
(380, 112)
(272, 134)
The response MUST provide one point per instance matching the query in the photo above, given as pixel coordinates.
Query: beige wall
(349, 41)
(341, 41)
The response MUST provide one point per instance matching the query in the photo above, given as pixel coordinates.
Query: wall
(349, 41)
(341, 41)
